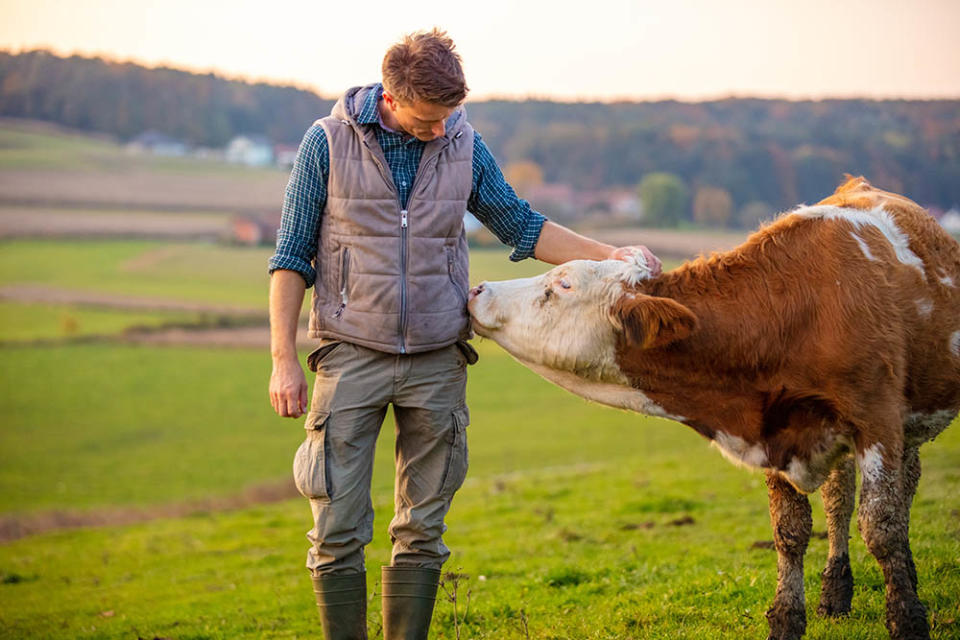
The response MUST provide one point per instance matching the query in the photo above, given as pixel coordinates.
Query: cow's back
(928, 292)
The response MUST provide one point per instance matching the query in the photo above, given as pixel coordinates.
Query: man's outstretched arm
(288, 385)
(494, 202)
(558, 244)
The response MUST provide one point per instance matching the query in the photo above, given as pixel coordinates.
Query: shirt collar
(369, 113)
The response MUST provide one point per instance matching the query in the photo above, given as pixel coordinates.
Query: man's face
(423, 120)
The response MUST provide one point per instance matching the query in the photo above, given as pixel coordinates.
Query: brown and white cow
(831, 334)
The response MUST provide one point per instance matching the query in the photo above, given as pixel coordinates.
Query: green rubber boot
(342, 602)
(408, 597)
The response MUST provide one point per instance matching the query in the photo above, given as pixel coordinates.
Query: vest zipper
(388, 178)
(403, 279)
(403, 244)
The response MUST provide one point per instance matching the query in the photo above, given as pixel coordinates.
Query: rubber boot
(342, 602)
(408, 597)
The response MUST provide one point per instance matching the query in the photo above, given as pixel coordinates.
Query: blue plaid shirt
(492, 200)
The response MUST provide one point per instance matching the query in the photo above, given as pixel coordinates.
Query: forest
(736, 157)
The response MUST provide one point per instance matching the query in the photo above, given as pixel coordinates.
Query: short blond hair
(425, 66)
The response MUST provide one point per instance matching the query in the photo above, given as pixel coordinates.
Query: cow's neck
(711, 377)
(617, 394)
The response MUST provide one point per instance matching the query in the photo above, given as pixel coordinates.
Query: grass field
(179, 271)
(576, 521)
(24, 322)
(566, 513)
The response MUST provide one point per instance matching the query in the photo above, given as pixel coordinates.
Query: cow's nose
(477, 290)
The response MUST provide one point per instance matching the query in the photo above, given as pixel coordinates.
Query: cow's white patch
(870, 462)
(877, 218)
(613, 394)
(947, 280)
(739, 451)
(924, 307)
(863, 246)
(955, 343)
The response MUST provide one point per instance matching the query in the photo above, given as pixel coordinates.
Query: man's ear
(649, 322)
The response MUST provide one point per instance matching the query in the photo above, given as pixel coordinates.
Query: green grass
(565, 514)
(577, 553)
(20, 322)
(194, 272)
(98, 425)
(185, 271)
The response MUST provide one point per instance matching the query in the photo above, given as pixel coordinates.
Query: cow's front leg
(791, 521)
(839, 496)
(883, 520)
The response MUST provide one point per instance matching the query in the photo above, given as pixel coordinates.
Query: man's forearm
(558, 245)
(286, 298)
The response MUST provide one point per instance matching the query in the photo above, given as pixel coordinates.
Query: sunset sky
(600, 49)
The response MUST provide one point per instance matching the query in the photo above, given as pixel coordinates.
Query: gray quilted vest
(390, 278)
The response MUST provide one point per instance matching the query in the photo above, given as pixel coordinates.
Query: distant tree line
(724, 161)
(126, 99)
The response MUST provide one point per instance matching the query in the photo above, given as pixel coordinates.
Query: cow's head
(573, 317)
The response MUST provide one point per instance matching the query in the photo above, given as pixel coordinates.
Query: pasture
(576, 521)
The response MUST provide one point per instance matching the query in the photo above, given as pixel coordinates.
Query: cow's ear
(649, 322)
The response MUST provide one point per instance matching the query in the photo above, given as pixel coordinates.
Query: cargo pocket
(321, 352)
(457, 460)
(309, 465)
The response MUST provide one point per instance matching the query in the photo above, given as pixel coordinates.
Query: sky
(589, 50)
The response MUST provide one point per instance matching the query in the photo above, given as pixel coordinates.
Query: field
(42, 165)
(576, 521)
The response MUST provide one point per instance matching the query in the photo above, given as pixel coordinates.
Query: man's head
(423, 83)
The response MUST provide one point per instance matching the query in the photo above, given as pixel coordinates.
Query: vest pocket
(451, 272)
(458, 458)
(344, 280)
(309, 463)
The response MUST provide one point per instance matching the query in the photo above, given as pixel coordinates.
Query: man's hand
(288, 388)
(641, 255)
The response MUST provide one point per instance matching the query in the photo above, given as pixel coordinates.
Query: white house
(251, 150)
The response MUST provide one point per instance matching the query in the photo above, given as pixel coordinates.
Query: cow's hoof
(907, 622)
(836, 588)
(786, 623)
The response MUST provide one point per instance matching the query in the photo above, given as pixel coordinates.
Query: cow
(829, 338)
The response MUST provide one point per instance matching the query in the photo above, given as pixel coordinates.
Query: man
(373, 220)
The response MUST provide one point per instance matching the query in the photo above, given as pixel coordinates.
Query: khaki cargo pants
(334, 464)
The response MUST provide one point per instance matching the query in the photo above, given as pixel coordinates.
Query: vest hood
(350, 104)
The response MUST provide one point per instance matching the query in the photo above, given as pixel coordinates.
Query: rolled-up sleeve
(303, 204)
(498, 207)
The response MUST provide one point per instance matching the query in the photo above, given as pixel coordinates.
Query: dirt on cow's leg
(791, 520)
(883, 522)
(910, 478)
(839, 496)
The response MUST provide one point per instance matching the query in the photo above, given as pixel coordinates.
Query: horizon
(619, 50)
(106, 57)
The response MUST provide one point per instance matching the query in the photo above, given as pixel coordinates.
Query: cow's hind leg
(839, 496)
(883, 524)
(910, 478)
(791, 521)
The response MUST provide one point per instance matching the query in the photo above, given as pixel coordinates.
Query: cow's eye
(565, 283)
